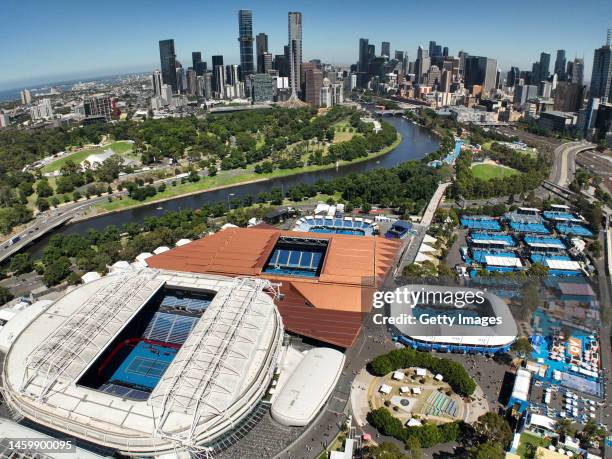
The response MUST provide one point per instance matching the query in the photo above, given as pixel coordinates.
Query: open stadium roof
(218, 375)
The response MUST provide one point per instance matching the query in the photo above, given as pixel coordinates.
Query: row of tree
(454, 374)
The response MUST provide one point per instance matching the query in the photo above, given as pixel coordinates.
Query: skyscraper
(245, 37)
(423, 62)
(362, 65)
(267, 62)
(198, 65)
(601, 76)
(513, 76)
(261, 47)
(575, 71)
(544, 66)
(295, 52)
(218, 76)
(560, 64)
(156, 81)
(314, 81)
(481, 71)
(167, 57)
(385, 49)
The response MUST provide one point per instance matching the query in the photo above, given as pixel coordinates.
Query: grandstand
(148, 362)
(354, 226)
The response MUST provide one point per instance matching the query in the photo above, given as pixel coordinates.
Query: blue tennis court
(529, 227)
(539, 242)
(560, 216)
(295, 262)
(480, 256)
(483, 223)
(576, 230)
(144, 366)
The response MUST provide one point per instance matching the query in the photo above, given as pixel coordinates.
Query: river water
(416, 143)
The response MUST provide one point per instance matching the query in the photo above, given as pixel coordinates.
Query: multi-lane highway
(564, 161)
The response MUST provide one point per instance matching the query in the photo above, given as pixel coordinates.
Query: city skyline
(43, 58)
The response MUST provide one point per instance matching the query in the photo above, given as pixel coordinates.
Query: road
(564, 161)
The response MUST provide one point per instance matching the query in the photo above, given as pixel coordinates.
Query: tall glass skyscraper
(168, 63)
(295, 53)
(601, 76)
(245, 38)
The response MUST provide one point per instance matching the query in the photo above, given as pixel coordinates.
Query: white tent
(120, 265)
(413, 422)
(416, 390)
(90, 277)
(398, 375)
(429, 239)
(228, 225)
(421, 257)
(182, 242)
(404, 389)
(384, 389)
(439, 377)
(426, 248)
(161, 249)
(421, 371)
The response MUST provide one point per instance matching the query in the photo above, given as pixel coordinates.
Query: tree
(5, 295)
(413, 447)
(522, 346)
(43, 189)
(564, 427)
(56, 271)
(492, 427)
(42, 204)
(487, 450)
(385, 450)
(21, 263)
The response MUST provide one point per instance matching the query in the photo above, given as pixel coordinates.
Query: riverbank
(208, 184)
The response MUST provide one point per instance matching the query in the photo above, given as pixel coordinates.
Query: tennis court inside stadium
(144, 366)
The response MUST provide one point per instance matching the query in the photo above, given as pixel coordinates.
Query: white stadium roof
(308, 387)
(563, 264)
(503, 261)
(217, 377)
(522, 383)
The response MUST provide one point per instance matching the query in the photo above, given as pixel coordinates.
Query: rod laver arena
(148, 362)
(482, 325)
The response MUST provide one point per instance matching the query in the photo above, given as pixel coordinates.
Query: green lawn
(121, 148)
(529, 443)
(227, 178)
(490, 171)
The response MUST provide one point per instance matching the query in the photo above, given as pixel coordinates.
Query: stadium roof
(501, 334)
(522, 383)
(563, 264)
(308, 387)
(329, 307)
(503, 261)
(219, 374)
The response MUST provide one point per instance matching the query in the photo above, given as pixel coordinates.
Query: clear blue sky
(45, 41)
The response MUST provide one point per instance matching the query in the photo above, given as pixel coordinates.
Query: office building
(601, 76)
(523, 93)
(42, 110)
(218, 76)
(480, 71)
(568, 97)
(245, 37)
(554, 121)
(266, 59)
(445, 51)
(156, 82)
(5, 120)
(575, 71)
(98, 106)
(544, 66)
(295, 52)
(314, 81)
(198, 65)
(603, 123)
(281, 65)
(422, 63)
(513, 76)
(560, 64)
(364, 58)
(192, 86)
(385, 49)
(545, 89)
(166, 94)
(167, 58)
(399, 56)
(26, 96)
(262, 88)
(261, 48)
(181, 79)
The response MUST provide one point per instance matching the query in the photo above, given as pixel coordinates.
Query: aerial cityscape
(317, 240)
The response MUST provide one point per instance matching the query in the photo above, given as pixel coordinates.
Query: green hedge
(454, 374)
(428, 435)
